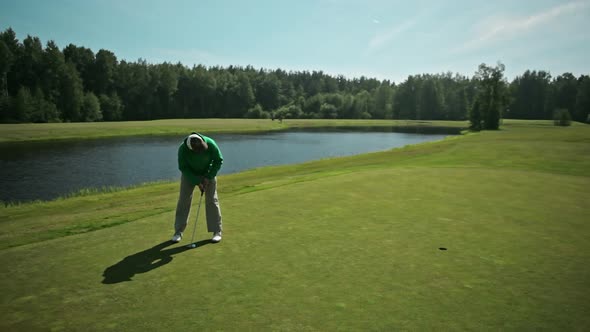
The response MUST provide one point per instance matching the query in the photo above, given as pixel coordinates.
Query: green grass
(339, 244)
(86, 130)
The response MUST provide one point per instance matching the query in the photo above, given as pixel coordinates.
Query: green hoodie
(195, 166)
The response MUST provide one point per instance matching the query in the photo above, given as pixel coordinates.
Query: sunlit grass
(338, 244)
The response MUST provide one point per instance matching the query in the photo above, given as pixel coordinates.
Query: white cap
(190, 137)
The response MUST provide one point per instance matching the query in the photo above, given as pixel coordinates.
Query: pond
(47, 170)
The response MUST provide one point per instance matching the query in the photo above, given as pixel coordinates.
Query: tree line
(48, 84)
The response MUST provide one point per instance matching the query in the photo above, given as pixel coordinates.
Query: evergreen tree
(103, 72)
(582, 107)
(565, 90)
(29, 64)
(71, 95)
(11, 55)
(475, 116)
(430, 99)
(54, 68)
(530, 95)
(83, 58)
(6, 59)
(5, 108)
(268, 92)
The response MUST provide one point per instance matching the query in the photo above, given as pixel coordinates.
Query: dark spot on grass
(442, 248)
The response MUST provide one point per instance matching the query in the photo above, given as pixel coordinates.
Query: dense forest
(49, 84)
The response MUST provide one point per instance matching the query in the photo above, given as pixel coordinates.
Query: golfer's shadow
(144, 261)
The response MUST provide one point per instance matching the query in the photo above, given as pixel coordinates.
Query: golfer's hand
(203, 185)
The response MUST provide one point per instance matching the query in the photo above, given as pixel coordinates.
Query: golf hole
(442, 248)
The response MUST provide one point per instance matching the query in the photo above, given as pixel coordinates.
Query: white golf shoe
(176, 238)
(216, 237)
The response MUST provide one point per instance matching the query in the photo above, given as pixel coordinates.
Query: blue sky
(376, 38)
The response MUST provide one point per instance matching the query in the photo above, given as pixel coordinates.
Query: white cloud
(376, 21)
(385, 36)
(380, 39)
(496, 29)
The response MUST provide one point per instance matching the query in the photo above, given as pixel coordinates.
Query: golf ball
(193, 245)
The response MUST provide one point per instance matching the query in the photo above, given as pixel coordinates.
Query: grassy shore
(339, 244)
(88, 130)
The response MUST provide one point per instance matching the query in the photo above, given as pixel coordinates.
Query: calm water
(48, 170)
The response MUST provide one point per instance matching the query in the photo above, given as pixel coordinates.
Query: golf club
(192, 244)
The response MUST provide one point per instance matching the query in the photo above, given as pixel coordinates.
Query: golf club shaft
(197, 218)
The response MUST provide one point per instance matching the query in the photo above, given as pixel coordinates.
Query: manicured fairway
(340, 244)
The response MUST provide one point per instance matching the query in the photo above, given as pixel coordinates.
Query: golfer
(199, 160)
